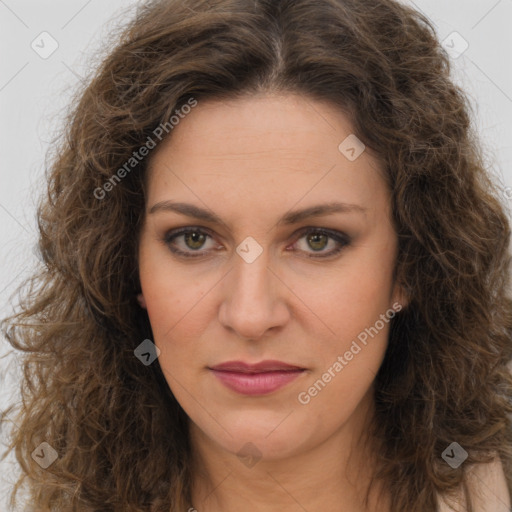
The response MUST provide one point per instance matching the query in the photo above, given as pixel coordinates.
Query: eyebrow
(289, 218)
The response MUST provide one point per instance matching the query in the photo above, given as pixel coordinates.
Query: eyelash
(341, 238)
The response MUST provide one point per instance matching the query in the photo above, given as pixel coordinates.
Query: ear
(400, 298)
(141, 301)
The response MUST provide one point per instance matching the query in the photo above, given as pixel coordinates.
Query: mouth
(256, 379)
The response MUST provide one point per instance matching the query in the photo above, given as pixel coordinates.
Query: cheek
(358, 315)
(169, 292)
(356, 307)
(355, 297)
(176, 304)
(174, 309)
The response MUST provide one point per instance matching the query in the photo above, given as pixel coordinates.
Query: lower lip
(256, 383)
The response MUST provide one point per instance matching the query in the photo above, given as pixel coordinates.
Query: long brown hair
(120, 436)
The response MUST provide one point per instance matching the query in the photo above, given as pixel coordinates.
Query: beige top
(491, 491)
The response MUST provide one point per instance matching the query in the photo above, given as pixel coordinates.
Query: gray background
(34, 92)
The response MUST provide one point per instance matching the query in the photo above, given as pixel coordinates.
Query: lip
(256, 379)
(269, 365)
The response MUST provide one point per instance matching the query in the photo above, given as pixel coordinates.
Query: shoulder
(488, 489)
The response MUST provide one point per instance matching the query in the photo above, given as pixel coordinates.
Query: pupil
(195, 236)
(314, 239)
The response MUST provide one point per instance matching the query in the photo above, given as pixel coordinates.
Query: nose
(254, 299)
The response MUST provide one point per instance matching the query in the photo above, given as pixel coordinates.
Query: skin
(251, 161)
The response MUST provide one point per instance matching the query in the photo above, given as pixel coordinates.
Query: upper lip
(262, 366)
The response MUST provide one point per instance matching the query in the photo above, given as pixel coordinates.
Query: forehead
(258, 148)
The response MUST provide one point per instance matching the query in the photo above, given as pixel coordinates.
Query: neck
(334, 475)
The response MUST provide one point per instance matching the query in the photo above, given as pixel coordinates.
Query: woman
(275, 274)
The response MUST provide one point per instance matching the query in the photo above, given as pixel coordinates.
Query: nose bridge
(250, 304)
(252, 277)
(251, 274)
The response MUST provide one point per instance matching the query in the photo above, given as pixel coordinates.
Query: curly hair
(121, 436)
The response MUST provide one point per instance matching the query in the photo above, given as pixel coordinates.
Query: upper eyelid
(300, 231)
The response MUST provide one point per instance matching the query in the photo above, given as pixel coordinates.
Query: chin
(265, 439)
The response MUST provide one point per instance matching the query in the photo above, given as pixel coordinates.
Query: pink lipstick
(256, 379)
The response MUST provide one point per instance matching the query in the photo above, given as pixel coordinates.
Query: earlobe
(141, 301)
(400, 298)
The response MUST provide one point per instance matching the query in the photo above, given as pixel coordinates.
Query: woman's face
(307, 295)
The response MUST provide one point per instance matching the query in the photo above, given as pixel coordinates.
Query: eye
(194, 239)
(318, 239)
